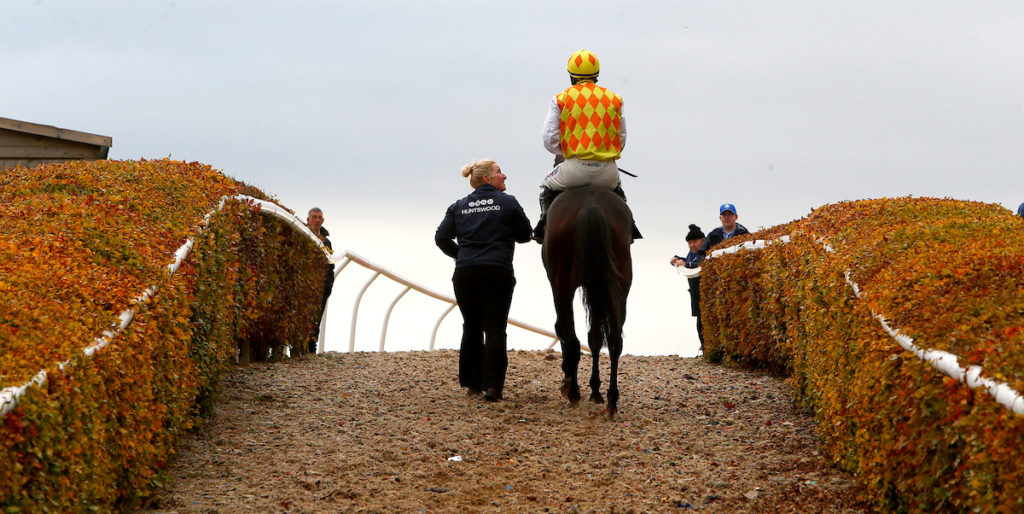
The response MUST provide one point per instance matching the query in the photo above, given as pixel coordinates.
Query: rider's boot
(622, 194)
(547, 195)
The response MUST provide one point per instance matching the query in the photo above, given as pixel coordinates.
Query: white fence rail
(343, 259)
(9, 396)
(945, 362)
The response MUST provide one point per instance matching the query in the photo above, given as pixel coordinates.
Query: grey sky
(369, 109)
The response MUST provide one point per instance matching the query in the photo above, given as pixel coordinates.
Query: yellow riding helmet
(583, 64)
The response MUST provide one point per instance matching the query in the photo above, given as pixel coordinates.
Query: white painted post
(384, 329)
(437, 325)
(355, 313)
(323, 318)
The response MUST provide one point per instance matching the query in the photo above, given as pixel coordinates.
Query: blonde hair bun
(477, 170)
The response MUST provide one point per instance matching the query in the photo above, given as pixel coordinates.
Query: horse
(587, 245)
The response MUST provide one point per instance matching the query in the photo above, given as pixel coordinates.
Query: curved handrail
(343, 258)
(346, 256)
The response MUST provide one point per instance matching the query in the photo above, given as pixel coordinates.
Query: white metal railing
(945, 362)
(344, 258)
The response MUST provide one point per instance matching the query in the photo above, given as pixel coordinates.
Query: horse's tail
(597, 267)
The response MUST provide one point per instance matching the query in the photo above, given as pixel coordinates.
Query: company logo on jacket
(481, 206)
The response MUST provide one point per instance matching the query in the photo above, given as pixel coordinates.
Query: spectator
(315, 221)
(727, 215)
(1020, 210)
(487, 223)
(694, 240)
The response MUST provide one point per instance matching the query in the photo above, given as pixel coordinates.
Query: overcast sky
(369, 110)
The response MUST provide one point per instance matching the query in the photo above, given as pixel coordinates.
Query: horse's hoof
(613, 407)
(570, 392)
(573, 398)
(492, 395)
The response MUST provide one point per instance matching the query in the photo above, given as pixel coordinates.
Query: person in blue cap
(1020, 210)
(727, 215)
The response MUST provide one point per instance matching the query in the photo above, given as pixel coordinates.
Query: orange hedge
(947, 273)
(79, 242)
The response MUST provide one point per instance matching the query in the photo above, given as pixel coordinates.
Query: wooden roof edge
(55, 132)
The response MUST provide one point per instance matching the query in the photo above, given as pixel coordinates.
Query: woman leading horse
(487, 224)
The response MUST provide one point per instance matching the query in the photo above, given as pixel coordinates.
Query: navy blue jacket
(487, 223)
(715, 237)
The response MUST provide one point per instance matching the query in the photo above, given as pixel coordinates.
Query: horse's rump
(597, 269)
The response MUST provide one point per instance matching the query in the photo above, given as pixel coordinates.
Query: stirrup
(538, 231)
(547, 197)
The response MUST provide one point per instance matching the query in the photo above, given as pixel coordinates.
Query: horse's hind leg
(614, 350)
(595, 338)
(565, 329)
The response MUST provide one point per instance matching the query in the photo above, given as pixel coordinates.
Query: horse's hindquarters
(587, 244)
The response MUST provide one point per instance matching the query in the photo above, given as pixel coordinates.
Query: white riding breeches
(574, 172)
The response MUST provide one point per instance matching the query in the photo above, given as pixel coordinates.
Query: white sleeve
(551, 135)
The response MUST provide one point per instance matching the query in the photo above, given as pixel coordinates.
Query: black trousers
(695, 307)
(700, 333)
(484, 294)
(328, 287)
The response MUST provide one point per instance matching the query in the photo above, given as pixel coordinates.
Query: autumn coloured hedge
(948, 274)
(79, 244)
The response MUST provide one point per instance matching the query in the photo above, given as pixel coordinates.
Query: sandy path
(378, 432)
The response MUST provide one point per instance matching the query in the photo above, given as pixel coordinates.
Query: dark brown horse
(586, 245)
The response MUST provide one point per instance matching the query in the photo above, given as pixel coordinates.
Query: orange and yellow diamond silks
(590, 121)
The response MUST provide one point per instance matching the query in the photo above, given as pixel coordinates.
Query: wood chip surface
(393, 432)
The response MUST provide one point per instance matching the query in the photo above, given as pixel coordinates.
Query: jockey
(585, 130)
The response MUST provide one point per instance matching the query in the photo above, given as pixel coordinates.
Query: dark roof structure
(31, 144)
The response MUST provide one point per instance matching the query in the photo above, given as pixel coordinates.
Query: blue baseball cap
(727, 207)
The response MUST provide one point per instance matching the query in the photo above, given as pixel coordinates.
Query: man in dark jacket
(315, 221)
(727, 215)
(694, 240)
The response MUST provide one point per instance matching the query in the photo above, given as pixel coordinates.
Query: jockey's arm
(552, 135)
